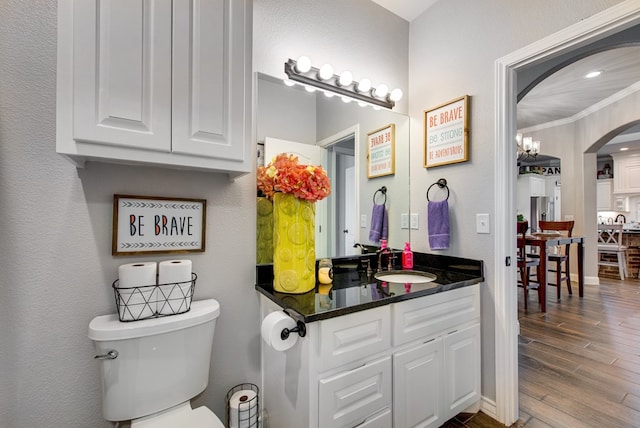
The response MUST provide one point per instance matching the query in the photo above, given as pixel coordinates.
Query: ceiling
(566, 94)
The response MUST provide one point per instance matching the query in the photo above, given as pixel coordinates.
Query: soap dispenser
(407, 257)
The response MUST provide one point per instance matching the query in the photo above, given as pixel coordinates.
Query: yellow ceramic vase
(264, 231)
(294, 255)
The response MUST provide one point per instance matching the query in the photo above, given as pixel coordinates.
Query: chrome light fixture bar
(324, 78)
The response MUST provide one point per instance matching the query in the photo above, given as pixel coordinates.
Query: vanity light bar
(309, 75)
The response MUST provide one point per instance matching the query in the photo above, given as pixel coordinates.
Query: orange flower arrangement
(285, 174)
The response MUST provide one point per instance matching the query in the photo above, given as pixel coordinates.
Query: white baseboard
(488, 407)
(588, 280)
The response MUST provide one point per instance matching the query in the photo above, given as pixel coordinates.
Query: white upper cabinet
(626, 172)
(156, 82)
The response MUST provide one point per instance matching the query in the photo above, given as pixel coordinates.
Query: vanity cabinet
(604, 199)
(626, 176)
(405, 364)
(156, 82)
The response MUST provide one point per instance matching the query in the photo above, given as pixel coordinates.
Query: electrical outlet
(404, 221)
(415, 221)
(482, 223)
(363, 220)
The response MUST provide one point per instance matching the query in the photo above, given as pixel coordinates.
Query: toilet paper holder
(300, 328)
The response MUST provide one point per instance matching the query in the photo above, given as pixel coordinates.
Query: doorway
(613, 20)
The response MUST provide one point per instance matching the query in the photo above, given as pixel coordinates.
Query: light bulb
(535, 148)
(310, 88)
(346, 100)
(346, 78)
(364, 85)
(519, 138)
(326, 72)
(527, 143)
(381, 90)
(328, 94)
(288, 82)
(396, 95)
(303, 65)
(362, 104)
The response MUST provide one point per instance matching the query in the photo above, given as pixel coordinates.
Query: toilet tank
(161, 362)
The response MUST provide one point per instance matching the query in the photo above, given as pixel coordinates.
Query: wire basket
(153, 301)
(243, 406)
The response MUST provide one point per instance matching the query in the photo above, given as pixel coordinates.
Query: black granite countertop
(355, 289)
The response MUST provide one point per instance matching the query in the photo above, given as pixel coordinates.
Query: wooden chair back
(565, 228)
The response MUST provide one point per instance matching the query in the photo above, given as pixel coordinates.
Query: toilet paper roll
(175, 297)
(243, 409)
(137, 303)
(271, 328)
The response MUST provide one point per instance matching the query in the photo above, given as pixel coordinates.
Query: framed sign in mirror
(381, 151)
(157, 225)
(446, 133)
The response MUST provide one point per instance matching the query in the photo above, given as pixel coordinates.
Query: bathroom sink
(405, 276)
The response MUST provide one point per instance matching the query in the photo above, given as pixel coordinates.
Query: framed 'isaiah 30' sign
(157, 225)
(446, 133)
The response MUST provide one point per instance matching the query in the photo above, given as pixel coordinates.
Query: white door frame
(605, 23)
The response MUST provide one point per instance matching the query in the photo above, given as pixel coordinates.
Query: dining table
(545, 242)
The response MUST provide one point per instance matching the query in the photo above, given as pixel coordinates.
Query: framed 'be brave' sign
(157, 225)
(446, 133)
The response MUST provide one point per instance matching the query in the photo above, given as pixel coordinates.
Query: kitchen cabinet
(604, 199)
(156, 82)
(404, 364)
(626, 172)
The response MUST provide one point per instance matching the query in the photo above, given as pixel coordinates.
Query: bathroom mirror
(290, 115)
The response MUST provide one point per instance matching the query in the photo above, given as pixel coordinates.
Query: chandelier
(527, 148)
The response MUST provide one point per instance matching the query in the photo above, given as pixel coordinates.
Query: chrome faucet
(380, 252)
(624, 219)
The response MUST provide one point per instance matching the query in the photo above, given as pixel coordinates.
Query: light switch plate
(415, 220)
(404, 221)
(363, 220)
(482, 223)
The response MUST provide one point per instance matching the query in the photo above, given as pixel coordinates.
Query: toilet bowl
(151, 369)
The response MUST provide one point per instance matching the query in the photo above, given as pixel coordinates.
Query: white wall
(453, 47)
(55, 251)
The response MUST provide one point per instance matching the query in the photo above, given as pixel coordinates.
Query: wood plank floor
(580, 362)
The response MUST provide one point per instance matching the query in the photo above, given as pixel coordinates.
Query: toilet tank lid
(109, 327)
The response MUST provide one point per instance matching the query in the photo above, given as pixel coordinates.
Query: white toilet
(151, 369)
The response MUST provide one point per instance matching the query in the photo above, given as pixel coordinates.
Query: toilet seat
(181, 415)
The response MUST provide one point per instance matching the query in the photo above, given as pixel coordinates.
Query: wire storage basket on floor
(153, 301)
(242, 406)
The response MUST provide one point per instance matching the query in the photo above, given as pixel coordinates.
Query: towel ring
(442, 183)
(382, 190)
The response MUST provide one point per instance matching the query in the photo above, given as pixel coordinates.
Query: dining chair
(525, 263)
(610, 243)
(559, 262)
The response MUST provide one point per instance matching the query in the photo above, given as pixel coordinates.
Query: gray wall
(55, 250)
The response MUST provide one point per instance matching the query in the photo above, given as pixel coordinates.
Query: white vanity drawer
(432, 315)
(349, 398)
(353, 337)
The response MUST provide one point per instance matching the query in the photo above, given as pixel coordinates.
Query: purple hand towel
(438, 219)
(379, 227)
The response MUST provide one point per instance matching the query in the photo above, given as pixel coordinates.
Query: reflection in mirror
(333, 133)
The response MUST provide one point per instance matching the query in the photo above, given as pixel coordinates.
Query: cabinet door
(417, 386)
(211, 78)
(122, 73)
(461, 369)
(349, 398)
(603, 194)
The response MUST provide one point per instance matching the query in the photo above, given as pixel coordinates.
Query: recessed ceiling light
(622, 149)
(593, 74)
